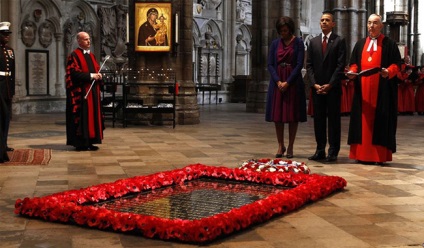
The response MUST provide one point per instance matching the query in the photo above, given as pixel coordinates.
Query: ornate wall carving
(113, 30)
(45, 34)
(81, 18)
(28, 33)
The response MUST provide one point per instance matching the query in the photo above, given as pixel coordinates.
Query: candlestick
(128, 28)
(176, 28)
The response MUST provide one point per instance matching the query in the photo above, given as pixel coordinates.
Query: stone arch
(49, 6)
(197, 34)
(245, 37)
(42, 10)
(209, 55)
(212, 28)
(242, 50)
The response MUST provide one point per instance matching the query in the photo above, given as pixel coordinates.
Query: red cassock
(419, 95)
(406, 99)
(347, 96)
(366, 150)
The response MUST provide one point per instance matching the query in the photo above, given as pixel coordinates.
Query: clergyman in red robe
(84, 117)
(373, 119)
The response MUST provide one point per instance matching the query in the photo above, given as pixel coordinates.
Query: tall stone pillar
(286, 8)
(341, 17)
(362, 19)
(350, 16)
(187, 108)
(416, 44)
(257, 88)
(229, 42)
(351, 20)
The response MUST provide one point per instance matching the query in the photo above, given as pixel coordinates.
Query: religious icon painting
(153, 27)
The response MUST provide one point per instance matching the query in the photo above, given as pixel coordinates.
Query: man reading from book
(372, 128)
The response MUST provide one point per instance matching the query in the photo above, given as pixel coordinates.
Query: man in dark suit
(325, 65)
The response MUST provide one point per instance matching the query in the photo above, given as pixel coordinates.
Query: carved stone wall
(239, 31)
(38, 45)
(231, 42)
(113, 33)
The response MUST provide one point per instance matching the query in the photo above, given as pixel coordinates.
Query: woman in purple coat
(286, 99)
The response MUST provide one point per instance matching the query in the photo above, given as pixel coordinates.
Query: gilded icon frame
(144, 40)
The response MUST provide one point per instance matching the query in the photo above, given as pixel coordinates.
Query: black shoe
(81, 148)
(278, 155)
(93, 148)
(330, 158)
(317, 156)
(9, 149)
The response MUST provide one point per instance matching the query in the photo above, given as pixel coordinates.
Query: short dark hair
(285, 21)
(328, 12)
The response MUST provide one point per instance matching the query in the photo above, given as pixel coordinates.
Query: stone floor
(381, 206)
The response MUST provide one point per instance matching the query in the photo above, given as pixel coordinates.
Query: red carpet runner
(29, 157)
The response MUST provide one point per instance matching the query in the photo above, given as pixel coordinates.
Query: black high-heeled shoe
(280, 155)
(289, 154)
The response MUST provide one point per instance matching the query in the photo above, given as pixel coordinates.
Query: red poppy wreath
(195, 204)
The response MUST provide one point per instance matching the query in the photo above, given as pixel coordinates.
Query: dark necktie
(324, 44)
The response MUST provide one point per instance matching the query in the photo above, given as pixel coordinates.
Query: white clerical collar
(373, 44)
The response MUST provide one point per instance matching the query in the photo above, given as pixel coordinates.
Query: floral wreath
(72, 206)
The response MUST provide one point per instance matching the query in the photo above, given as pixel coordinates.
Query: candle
(176, 28)
(128, 28)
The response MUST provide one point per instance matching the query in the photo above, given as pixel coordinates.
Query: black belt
(284, 64)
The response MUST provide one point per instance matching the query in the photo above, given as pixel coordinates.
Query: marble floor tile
(382, 206)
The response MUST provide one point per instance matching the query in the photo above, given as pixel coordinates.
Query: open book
(367, 72)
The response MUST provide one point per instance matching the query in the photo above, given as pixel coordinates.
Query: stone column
(362, 19)
(341, 18)
(187, 108)
(257, 88)
(352, 26)
(229, 44)
(416, 44)
(286, 8)
(59, 87)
